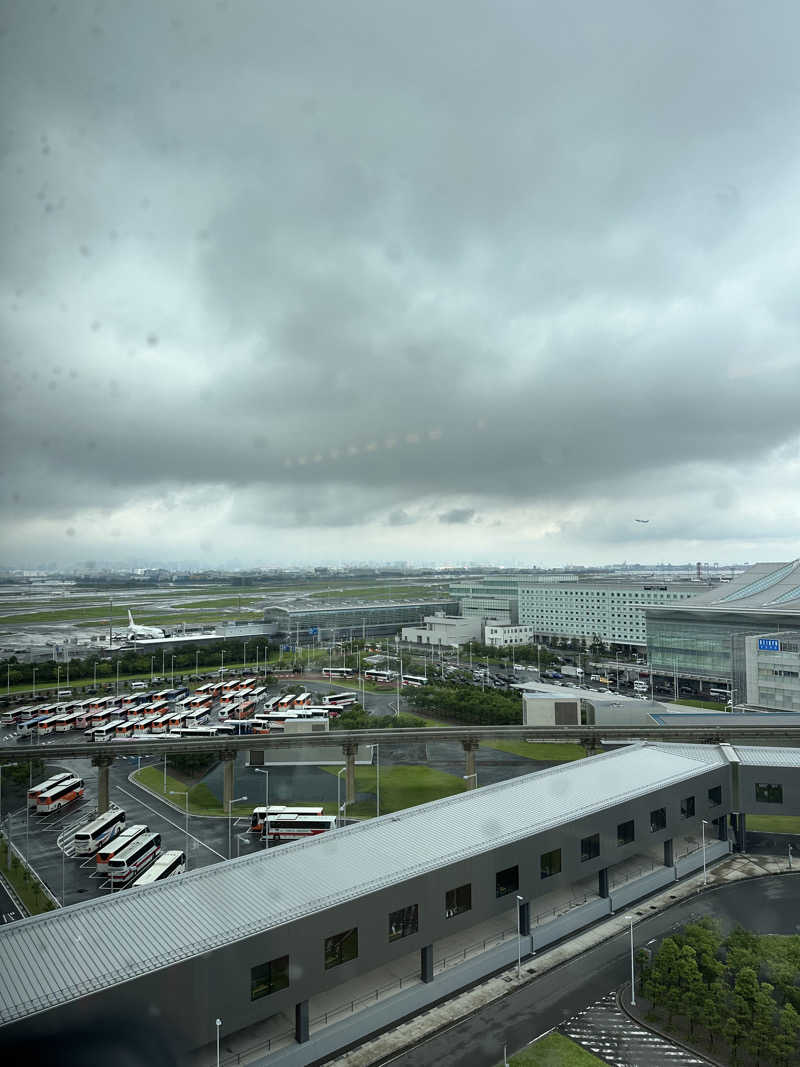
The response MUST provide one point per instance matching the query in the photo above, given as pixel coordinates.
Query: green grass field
(559, 751)
(774, 824)
(708, 705)
(555, 1050)
(401, 787)
(201, 800)
(34, 902)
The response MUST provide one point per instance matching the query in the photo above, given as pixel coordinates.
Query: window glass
(715, 796)
(687, 808)
(625, 832)
(550, 863)
(403, 922)
(590, 847)
(658, 820)
(458, 900)
(269, 977)
(506, 881)
(769, 794)
(341, 947)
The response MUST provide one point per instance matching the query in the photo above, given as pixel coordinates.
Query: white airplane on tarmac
(135, 631)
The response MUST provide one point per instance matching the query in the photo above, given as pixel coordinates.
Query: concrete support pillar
(602, 883)
(669, 853)
(741, 832)
(103, 764)
(256, 757)
(426, 963)
(301, 1022)
(228, 764)
(349, 751)
(722, 827)
(524, 917)
(470, 746)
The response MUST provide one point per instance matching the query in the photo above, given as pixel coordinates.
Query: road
(768, 905)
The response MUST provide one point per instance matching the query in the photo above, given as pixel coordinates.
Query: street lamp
(520, 902)
(467, 777)
(339, 774)
(152, 661)
(230, 816)
(218, 1023)
(185, 794)
(633, 979)
(265, 772)
(172, 668)
(116, 685)
(34, 680)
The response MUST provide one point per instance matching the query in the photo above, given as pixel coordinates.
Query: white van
(63, 693)
(640, 687)
(138, 685)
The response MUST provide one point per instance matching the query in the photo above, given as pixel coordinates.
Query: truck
(571, 672)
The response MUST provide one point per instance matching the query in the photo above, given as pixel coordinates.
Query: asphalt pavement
(766, 905)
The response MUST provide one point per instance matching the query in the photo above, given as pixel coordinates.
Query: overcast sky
(436, 281)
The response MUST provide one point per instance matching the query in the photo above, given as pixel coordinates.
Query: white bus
(197, 717)
(117, 844)
(160, 725)
(125, 729)
(43, 787)
(257, 818)
(291, 827)
(380, 676)
(334, 699)
(28, 727)
(60, 795)
(67, 722)
(167, 864)
(47, 725)
(11, 718)
(99, 832)
(106, 732)
(337, 672)
(302, 700)
(192, 733)
(144, 725)
(414, 679)
(134, 858)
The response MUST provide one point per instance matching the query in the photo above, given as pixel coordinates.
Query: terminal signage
(769, 644)
(313, 630)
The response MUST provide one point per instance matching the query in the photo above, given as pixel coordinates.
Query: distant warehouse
(308, 624)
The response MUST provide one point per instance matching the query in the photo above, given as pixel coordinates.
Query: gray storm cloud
(389, 265)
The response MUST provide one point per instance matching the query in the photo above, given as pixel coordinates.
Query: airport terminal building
(308, 947)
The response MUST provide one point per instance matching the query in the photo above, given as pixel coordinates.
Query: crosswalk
(605, 1030)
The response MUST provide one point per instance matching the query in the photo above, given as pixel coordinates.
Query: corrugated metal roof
(68, 954)
(767, 756)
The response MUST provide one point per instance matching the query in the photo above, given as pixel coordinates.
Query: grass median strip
(201, 800)
(555, 1050)
(557, 751)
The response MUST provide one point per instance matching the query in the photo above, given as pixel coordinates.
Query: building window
(457, 900)
(769, 794)
(269, 977)
(625, 832)
(687, 808)
(506, 881)
(550, 863)
(715, 796)
(341, 948)
(658, 820)
(590, 847)
(404, 922)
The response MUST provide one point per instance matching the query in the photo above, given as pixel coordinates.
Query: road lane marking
(170, 821)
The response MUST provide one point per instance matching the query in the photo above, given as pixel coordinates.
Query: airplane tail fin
(130, 618)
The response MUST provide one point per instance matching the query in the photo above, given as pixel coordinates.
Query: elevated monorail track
(592, 737)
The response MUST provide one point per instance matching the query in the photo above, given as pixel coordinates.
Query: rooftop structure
(308, 622)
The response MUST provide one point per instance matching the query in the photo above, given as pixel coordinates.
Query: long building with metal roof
(261, 936)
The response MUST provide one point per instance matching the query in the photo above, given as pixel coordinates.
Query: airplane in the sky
(135, 631)
(641, 520)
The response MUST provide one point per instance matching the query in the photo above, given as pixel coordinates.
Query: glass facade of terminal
(772, 670)
(358, 618)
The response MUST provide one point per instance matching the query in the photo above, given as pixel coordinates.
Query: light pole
(152, 661)
(790, 855)
(244, 656)
(116, 684)
(520, 901)
(222, 666)
(339, 774)
(172, 668)
(633, 979)
(33, 669)
(703, 825)
(230, 823)
(377, 780)
(467, 777)
(265, 772)
(197, 661)
(218, 1023)
(185, 794)
(617, 658)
